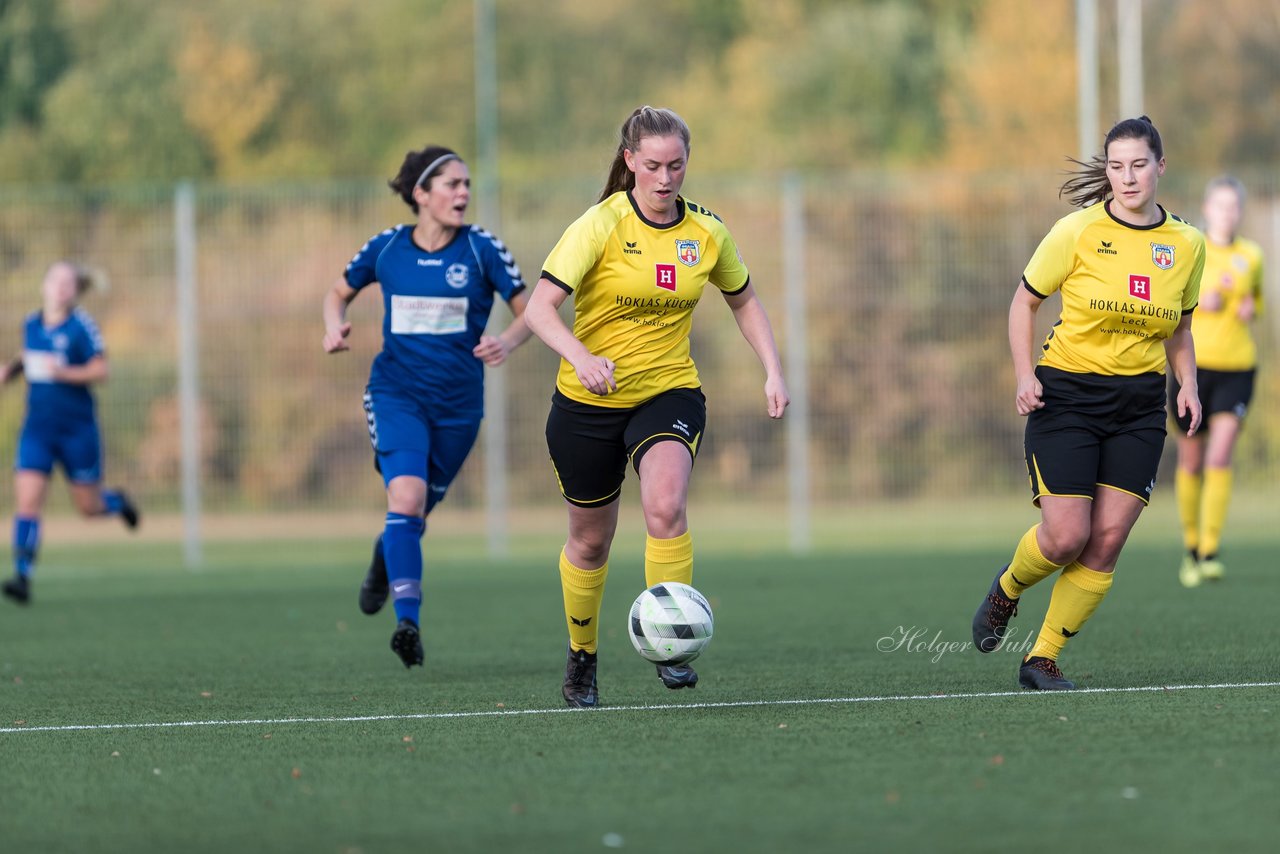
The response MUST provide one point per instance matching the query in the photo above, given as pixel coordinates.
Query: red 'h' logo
(1140, 287)
(666, 276)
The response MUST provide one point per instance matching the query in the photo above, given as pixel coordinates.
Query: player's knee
(406, 499)
(666, 516)
(591, 546)
(1064, 543)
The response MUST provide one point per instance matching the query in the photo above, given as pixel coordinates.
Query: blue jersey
(435, 308)
(75, 341)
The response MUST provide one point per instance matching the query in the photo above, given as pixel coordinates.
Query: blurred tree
(34, 53)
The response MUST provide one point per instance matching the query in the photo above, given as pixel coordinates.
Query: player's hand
(335, 340)
(1189, 402)
(491, 350)
(1211, 300)
(7, 372)
(776, 397)
(1247, 309)
(596, 375)
(1030, 394)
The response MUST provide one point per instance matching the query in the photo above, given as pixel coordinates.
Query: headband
(443, 158)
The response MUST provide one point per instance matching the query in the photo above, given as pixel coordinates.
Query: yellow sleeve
(1191, 294)
(1054, 259)
(579, 249)
(730, 274)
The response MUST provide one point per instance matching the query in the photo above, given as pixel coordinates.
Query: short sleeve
(88, 343)
(362, 270)
(730, 274)
(578, 250)
(1054, 259)
(499, 266)
(1191, 293)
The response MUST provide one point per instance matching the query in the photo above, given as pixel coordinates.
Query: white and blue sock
(402, 550)
(26, 541)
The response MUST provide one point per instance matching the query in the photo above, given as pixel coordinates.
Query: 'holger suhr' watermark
(917, 639)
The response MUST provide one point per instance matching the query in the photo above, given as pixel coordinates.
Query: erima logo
(583, 623)
(1067, 634)
(681, 426)
(1106, 249)
(631, 248)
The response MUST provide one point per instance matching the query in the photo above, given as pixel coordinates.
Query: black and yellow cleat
(679, 677)
(374, 589)
(1042, 674)
(991, 622)
(580, 679)
(406, 642)
(18, 589)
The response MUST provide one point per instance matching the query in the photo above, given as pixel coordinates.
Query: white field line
(735, 704)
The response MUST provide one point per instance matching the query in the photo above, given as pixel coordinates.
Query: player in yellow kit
(1226, 359)
(627, 391)
(1129, 275)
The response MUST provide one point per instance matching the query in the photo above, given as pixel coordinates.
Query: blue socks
(26, 540)
(112, 502)
(402, 550)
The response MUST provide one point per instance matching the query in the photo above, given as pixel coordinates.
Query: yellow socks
(1028, 566)
(668, 560)
(1186, 487)
(1076, 595)
(1217, 495)
(583, 593)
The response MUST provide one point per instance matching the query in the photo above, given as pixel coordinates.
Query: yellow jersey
(1223, 341)
(635, 284)
(1124, 289)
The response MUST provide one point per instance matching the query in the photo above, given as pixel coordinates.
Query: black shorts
(1095, 431)
(590, 445)
(1220, 391)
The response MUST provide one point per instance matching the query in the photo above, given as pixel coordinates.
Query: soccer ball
(670, 623)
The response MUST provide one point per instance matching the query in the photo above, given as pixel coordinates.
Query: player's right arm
(543, 317)
(336, 325)
(1022, 324)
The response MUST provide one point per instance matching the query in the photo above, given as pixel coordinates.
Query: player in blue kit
(425, 396)
(62, 355)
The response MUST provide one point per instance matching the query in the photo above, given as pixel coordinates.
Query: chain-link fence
(907, 282)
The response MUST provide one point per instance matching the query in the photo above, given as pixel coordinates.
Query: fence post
(794, 235)
(184, 227)
(496, 486)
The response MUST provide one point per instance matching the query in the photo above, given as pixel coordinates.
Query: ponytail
(644, 122)
(1090, 184)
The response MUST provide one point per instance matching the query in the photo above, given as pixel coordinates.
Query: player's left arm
(1181, 352)
(11, 370)
(93, 371)
(494, 349)
(753, 322)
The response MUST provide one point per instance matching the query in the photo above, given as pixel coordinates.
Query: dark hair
(644, 122)
(1089, 185)
(410, 174)
(86, 278)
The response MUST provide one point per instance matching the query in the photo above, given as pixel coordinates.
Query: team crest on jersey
(60, 342)
(688, 253)
(1162, 255)
(457, 276)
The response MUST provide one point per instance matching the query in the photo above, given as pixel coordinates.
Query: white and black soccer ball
(670, 623)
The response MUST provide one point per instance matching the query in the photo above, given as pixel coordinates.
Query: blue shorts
(409, 439)
(76, 447)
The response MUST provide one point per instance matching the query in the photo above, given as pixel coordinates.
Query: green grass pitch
(122, 635)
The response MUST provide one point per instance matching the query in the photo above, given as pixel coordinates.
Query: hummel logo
(1067, 634)
(582, 623)
(1106, 249)
(631, 248)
